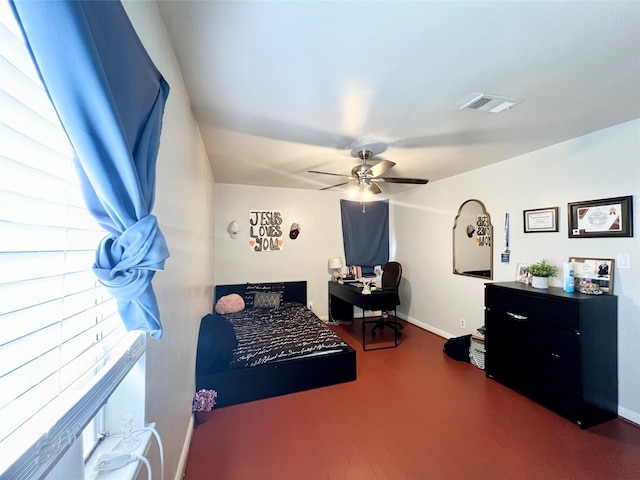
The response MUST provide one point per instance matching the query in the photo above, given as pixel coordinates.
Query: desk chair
(391, 275)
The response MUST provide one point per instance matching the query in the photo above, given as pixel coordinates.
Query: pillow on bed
(253, 288)
(216, 342)
(266, 300)
(230, 304)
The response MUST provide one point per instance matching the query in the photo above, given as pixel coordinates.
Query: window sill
(113, 443)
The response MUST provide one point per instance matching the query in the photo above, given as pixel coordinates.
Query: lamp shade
(335, 262)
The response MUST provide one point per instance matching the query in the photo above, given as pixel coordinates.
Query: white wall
(185, 210)
(600, 165)
(305, 258)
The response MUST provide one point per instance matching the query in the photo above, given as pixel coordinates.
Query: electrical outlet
(463, 323)
(311, 306)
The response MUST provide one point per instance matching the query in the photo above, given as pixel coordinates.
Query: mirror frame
(453, 236)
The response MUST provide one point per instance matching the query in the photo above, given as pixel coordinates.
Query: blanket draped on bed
(271, 335)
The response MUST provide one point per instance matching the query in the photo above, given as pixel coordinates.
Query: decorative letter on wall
(265, 229)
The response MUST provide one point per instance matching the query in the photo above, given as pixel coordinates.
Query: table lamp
(335, 264)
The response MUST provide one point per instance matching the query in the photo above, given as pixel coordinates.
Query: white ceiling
(279, 88)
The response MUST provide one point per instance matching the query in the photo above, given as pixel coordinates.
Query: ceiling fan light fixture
(364, 177)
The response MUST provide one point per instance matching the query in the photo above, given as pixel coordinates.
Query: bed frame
(270, 380)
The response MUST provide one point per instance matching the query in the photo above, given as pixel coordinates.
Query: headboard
(291, 291)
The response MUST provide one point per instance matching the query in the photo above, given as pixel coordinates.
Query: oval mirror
(472, 240)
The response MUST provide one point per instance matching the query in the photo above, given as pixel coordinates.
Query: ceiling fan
(365, 177)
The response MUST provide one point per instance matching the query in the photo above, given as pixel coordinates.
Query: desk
(343, 297)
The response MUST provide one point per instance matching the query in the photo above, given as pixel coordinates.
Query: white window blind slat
(80, 363)
(29, 185)
(17, 238)
(25, 151)
(22, 350)
(23, 89)
(20, 381)
(12, 46)
(63, 347)
(17, 297)
(18, 413)
(32, 124)
(22, 322)
(16, 267)
(33, 211)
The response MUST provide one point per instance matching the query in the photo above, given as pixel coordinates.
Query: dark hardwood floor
(413, 413)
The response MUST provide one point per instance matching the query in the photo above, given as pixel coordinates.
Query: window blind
(63, 347)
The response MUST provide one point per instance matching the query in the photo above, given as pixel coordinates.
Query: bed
(265, 349)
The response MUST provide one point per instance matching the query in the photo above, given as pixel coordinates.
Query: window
(63, 347)
(365, 233)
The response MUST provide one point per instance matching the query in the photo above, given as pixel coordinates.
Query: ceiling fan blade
(379, 168)
(375, 189)
(334, 186)
(327, 173)
(414, 181)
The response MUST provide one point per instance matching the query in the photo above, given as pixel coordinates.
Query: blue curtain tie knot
(126, 264)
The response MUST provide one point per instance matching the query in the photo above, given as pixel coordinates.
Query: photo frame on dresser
(521, 272)
(593, 276)
(607, 217)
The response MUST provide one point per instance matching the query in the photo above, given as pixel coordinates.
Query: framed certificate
(541, 220)
(609, 217)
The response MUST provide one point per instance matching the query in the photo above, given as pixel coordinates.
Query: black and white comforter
(271, 335)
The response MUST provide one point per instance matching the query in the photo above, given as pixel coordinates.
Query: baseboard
(182, 464)
(630, 415)
(425, 326)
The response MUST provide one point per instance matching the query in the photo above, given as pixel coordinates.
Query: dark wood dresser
(559, 349)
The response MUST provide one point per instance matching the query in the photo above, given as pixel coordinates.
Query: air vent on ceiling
(487, 103)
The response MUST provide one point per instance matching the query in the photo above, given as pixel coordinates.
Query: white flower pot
(540, 282)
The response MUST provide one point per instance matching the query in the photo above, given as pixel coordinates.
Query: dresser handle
(516, 316)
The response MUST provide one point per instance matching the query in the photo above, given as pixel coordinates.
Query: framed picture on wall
(609, 217)
(541, 220)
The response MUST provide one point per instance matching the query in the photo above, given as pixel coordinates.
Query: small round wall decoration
(294, 231)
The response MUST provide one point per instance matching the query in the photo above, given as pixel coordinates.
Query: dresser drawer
(558, 398)
(523, 365)
(508, 328)
(557, 312)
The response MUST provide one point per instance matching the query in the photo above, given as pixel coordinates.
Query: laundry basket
(477, 350)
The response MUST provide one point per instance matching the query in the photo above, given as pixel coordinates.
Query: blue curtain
(365, 234)
(110, 99)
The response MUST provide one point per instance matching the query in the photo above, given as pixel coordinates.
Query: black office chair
(391, 275)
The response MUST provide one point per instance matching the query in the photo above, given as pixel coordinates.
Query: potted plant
(541, 272)
(203, 402)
